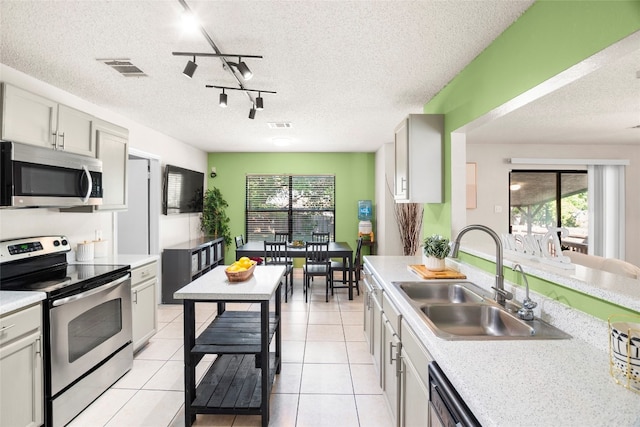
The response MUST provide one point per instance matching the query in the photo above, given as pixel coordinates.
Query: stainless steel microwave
(32, 176)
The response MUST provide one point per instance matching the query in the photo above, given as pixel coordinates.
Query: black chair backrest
(276, 253)
(358, 252)
(239, 241)
(319, 237)
(317, 253)
(280, 237)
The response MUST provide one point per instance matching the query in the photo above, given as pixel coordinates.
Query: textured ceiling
(602, 107)
(346, 72)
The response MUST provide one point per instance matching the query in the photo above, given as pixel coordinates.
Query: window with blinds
(295, 204)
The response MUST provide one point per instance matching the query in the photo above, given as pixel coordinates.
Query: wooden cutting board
(447, 273)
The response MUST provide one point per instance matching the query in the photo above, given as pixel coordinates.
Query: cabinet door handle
(6, 328)
(403, 182)
(55, 139)
(62, 136)
(135, 297)
(391, 347)
(38, 346)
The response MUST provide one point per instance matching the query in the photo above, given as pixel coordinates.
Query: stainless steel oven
(86, 317)
(33, 176)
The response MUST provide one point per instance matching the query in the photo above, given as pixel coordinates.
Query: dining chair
(340, 266)
(276, 253)
(317, 263)
(319, 237)
(239, 241)
(280, 237)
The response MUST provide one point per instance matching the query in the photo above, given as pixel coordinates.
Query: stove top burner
(64, 279)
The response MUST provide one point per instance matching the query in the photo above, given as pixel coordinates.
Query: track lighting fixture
(239, 71)
(223, 99)
(190, 68)
(256, 105)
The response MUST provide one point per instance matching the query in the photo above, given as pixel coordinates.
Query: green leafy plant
(436, 246)
(214, 221)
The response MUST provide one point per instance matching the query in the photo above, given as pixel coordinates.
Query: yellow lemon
(241, 269)
(232, 268)
(243, 260)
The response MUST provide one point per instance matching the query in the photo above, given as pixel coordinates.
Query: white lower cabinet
(144, 303)
(414, 396)
(21, 376)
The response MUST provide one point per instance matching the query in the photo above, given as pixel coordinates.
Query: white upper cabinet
(418, 159)
(112, 145)
(73, 133)
(32, 119)
(27, 117)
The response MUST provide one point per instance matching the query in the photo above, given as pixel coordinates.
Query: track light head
(259, 102)
(244, 70)
(252, 113)
(190, 68)
(223, 99)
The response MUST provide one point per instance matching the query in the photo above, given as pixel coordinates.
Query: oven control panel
(15, 249)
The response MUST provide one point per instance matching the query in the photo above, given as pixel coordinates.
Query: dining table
(255, 249)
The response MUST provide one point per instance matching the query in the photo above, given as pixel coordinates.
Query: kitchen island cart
(239, 380)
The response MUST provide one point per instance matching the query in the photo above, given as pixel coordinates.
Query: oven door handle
(86, 294)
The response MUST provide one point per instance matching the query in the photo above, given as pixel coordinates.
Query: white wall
(387, 233)
(493, 184)
(82, 226)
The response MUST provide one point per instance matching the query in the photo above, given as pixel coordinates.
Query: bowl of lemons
(240, 270)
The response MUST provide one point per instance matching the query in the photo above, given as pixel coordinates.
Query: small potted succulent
(436, 248)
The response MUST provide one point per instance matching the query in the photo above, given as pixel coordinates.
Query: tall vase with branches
(409, 219)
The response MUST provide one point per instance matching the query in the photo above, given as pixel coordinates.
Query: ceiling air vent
(280, 125)
(124, 67)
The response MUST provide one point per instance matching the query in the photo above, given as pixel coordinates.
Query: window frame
(290, 210)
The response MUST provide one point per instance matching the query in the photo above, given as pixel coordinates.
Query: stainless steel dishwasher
(445, 404)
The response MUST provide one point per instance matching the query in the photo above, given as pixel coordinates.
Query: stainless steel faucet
(526, 311)
(501, 296)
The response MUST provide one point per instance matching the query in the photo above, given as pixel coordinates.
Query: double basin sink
(460, 310)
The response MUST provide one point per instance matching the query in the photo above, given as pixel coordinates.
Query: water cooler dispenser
(365, 214)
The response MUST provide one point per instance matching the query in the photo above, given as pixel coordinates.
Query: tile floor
(327, 377)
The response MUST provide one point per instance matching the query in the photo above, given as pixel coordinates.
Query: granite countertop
(523, 382)
(134, 260)
(16, 300)
(214, 285)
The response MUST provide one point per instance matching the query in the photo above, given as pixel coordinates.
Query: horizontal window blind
(295, 204)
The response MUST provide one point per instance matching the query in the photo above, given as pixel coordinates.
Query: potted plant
(436, 249)
(214, 221)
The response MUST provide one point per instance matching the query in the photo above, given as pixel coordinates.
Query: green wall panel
(355, 180)
(550, 37)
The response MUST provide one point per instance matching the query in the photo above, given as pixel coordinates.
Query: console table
(240, 379)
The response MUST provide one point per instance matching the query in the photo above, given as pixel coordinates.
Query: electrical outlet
(497, 209)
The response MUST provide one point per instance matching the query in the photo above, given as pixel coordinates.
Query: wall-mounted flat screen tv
(183, 190)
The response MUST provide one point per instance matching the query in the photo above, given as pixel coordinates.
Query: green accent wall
(567, 296)
(550, 37)
(354, 172)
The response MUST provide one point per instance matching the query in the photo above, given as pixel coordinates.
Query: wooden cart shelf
(233, 386)
(234, 332)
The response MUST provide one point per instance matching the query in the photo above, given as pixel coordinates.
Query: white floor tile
(373, 411)
(327, 411)
(169, 377)
(365, 379)
(325, 333)
(288, 381)
(159, 349)
(140, 373)
(325, 318)
(326, 379)
(148, 408)
(353, 333)
(103, 408)
(358, 352)
(325, 352)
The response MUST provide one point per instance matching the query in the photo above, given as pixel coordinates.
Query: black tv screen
(183, 190)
